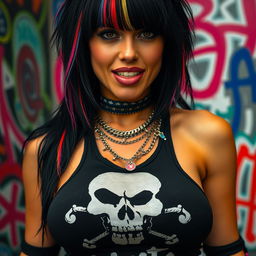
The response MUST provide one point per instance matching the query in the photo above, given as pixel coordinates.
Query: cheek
(153, 56)
(101, 59)
(100, 56)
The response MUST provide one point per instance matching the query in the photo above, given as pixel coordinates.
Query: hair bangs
(146, 14)
(129, 15)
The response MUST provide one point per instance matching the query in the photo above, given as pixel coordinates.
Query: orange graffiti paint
(36, 4)
(2, 150)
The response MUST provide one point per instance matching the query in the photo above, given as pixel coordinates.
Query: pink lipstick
(128, 75)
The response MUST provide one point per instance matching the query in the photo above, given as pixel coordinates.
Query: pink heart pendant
(130, 166)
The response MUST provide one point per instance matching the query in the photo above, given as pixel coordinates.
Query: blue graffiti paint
(242, 55)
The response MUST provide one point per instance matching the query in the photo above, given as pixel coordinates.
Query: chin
(129, 95)
(130, 98)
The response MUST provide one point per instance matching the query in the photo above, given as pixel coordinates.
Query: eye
(147, 35)
(108, 34)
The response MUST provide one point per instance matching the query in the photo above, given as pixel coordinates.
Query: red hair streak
(83, 109)
(59, 151)
(105, 13)
(74, 46)
(68, 99)
(114, 14)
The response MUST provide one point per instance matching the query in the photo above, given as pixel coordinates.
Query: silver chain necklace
(130, 162)
(125, 140)
(124, 134)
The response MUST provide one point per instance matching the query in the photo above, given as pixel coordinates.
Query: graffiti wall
(25, 102)
(223, 76)
(224, 81)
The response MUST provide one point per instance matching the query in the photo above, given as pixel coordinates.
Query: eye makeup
(112, 34)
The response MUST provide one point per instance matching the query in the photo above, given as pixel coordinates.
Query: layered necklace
(148, 132)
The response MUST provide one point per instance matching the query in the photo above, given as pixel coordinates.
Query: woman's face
(125, 62)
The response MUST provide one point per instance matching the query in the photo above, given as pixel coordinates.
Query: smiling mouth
(128, 74)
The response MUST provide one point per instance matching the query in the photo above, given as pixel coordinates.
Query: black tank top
(157, 209)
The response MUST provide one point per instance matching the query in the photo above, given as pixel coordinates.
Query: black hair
(76, 22)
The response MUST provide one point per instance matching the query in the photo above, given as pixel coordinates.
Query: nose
(128, 51)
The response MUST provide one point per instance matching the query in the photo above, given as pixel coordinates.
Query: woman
(125, 167)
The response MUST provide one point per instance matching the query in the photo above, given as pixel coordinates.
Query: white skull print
(126, 203)
(126, 199)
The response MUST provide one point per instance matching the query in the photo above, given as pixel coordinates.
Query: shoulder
(33, 199)
(30, 158)
(32, 146)
(209, 134)
(202, 124)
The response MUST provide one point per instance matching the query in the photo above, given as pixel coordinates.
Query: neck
(126, 121)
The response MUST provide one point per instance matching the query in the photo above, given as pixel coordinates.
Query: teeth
(128, 74)
(123, 229)
(114, 229)
(131, 229)
(138, 228)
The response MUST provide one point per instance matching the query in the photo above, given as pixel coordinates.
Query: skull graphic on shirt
(126, 200)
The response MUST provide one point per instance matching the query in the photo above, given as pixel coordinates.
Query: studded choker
(123, 107)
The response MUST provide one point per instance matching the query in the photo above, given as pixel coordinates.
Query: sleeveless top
(157, 209)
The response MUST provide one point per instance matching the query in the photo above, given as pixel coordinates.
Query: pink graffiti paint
(14, 215)
(9, 127)
(219, 48)
(28, 83)
(250, 204)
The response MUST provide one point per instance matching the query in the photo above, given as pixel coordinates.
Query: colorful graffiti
(223, 76)
(25, 103)
(246, 193)
(224, 81)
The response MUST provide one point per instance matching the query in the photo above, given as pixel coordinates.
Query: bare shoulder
(203, 125)
(30, 172)
(31, 182)
(214, 138)
(30, 158)
(209, 134)
(33, 145)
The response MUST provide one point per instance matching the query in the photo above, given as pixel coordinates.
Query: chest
(157, 206)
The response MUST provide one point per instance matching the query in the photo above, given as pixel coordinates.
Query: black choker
(123, 107)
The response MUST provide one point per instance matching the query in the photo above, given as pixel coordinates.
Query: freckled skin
(127, 49)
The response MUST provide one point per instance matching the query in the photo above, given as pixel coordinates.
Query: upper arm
(220, 181)
(33, 197)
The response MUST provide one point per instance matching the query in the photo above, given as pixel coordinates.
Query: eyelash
(153, 35)
(103, 34)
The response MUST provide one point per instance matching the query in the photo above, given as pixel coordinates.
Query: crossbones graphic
(128, 208)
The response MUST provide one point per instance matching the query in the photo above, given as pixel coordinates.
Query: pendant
(130, 166)
(162, 136)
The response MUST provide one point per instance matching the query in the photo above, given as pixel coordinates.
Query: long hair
(76, 21)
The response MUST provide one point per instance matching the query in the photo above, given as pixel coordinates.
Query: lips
(127, 69)
(128, 76)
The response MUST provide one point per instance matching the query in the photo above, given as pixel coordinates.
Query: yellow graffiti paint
(7, 35)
